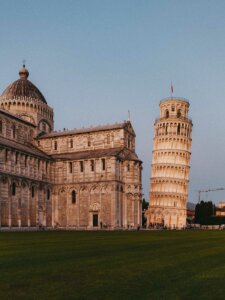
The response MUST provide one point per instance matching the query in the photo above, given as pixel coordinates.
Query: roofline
(175, 99)
(83, 130)
(41, 155)
(67, 156)
(5, 112)
(41, 98)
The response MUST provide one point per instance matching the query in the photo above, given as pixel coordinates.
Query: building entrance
(95, 220)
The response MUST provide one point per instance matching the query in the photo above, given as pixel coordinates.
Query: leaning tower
(170, 164)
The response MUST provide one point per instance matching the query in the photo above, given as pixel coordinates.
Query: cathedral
(85, 178)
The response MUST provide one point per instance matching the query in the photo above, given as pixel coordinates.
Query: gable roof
(120, 152)
(54, 134)
(27, 148)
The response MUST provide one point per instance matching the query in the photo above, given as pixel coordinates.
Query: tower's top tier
(174, 108)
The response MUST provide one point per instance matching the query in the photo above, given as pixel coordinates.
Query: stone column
(28, 205)
(53, 200)
(90, 225)
(138, 214)
(67, 207)
(125, 210)
(19, 205)
(37, 206)
(10, 204)
(113, 207)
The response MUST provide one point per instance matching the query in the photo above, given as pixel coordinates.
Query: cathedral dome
(23, 88)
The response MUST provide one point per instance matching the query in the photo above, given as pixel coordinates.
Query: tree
(203, 212)
(145, 205)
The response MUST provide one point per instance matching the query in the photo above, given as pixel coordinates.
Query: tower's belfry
(170, 164)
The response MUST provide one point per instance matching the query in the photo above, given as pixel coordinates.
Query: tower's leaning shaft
(170, 165)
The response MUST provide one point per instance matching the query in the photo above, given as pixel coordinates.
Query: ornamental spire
(24, 73)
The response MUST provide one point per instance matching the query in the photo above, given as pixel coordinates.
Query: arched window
(92, 165)
(178, 129)
(55, 145)
(32, 192)
(89, 142)
(73, 196)
(48, 194)
(13, 189)
(81, 166)
(178, 113)
(43, 126)
(103, 164)
(108, 138)
(71, 143)
(128, 168)
(70, 167)
(167, 114)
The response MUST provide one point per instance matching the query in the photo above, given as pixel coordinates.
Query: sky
(95, 60)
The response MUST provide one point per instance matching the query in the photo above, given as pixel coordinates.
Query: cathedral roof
(55, 134)
(119, 152)
(17, 118)
(23, 88)
(27, 148)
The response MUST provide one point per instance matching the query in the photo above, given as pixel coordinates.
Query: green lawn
(112, 265)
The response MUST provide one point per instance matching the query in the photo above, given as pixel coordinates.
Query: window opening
(32, 192)
(73, 197)
(103, 164)
(92, 165)
(178, 129)
(48, 194)
(71, 143)
(13, 189)
(70, 167)
(81, 166)
(167, 114)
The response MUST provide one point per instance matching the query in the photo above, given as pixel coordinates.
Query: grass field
(112, 265)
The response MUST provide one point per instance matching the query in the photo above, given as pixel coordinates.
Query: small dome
(22, 88)
(23, 73)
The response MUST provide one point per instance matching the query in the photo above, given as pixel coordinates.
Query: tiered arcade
(170, 165)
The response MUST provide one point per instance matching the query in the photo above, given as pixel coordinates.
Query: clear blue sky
(94, 60)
